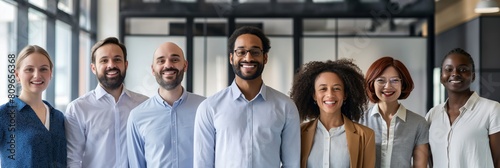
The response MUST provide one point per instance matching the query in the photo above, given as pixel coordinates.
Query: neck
(249, 88)
(170, 96)
(458, 99)
(114, 92)
(388, 108)
(33, 99)
(331, 120)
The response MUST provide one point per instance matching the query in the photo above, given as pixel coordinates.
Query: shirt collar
(401, 113)
(469, 105)
(100, 92)
(20, 104)
(236, 92)
(181, 99)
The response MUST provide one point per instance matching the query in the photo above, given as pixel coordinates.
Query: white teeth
(330, 102)
(37, 83)
(455, 81)
(112, 72)
(248, 66)
(169, 72)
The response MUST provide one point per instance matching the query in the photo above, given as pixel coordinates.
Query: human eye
(103, 61)
(447, 69)
(337, 88)
(463, 69)
(43, 69)
(380, 81)
(395, 80)
(160, 61)
(241, 52)
(117, 59)
(255, 52)
(28, 70)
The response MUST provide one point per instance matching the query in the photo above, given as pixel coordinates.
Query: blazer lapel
(307, 138)
(352, 141)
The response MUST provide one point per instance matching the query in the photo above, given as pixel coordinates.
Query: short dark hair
(109, 40)
(378, 67)
(266, 44)
(461, 52)
(303, 88)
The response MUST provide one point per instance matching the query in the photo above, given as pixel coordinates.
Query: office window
(66, 6)
(270, 26)
(8, 45)
(155, 26)
(40, 3)
(62, 77)
(85, 14)
(37, 29)
(85, 72)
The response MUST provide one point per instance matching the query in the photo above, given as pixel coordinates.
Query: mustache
(251, 62)
(112, 69)
(169, 69)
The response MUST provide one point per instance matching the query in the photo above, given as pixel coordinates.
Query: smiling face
(34, 73)
(248, 66)
(169, 66)
(388, 85)
(329, 92)
(110, 67)
(457, 73)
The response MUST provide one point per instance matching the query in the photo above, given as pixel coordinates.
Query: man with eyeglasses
(247, 124)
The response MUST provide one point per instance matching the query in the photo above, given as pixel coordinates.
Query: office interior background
(417, 32)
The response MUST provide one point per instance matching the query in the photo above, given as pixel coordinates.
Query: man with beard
(247, 124)
(95, 123)
(160, 130)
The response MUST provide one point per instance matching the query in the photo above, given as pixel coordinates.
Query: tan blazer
(360, 141)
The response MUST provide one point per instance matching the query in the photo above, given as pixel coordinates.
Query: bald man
(160, 130)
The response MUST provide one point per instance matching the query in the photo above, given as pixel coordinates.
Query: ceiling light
(487, 6)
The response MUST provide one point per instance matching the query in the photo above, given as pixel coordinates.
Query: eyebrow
(242, 47)
(337, 84)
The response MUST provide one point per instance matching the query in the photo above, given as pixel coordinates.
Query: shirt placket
(173, 117)
(116, 111)
(390, 141)
(450, 132)
(383, 146)
(326, 152)
(250, 132)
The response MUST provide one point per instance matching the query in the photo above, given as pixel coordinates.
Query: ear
(186, 66)
(93, 68)
(126, 65)
(152, 70)
(16, 73)
(265, 58)
(473, 76)
(231, 58)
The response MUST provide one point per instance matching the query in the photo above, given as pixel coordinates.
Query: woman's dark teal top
(26, 142)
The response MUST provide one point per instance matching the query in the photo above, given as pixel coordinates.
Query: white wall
(107, 19)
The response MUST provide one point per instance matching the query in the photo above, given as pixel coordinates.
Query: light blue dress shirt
(95, 128)
(160, 135)
(231, 131)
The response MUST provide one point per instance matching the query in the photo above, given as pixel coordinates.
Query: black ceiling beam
(348, 9)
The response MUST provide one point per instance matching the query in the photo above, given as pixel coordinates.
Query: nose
(111, 64)
(387, 84)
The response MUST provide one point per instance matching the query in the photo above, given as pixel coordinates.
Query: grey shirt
(394, 148)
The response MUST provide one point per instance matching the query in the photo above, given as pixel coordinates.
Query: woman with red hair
(400, 134)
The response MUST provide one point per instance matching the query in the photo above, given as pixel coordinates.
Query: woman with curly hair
(401, 136)
(330, 98)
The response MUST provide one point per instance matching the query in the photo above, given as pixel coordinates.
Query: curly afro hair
(303, 88)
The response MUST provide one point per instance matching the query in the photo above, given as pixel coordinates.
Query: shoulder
(218, 96)
(137, 97)
(488, 103)
(414, 116)
(304, 126)
(83, 100)
(147, 104)
(433, 111)
(363, 129)
(195, 98)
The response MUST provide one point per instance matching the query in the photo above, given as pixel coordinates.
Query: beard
(111, 83)
(170, 85)
(237, 70)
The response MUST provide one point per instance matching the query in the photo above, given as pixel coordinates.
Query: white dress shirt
(329, 149)
(95, 128)
(465, 143)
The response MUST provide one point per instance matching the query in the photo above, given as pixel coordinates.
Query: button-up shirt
(160, 135)
(231, 131)
(465, 143)
(329, 149)
(95, 128)
(394, 145)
